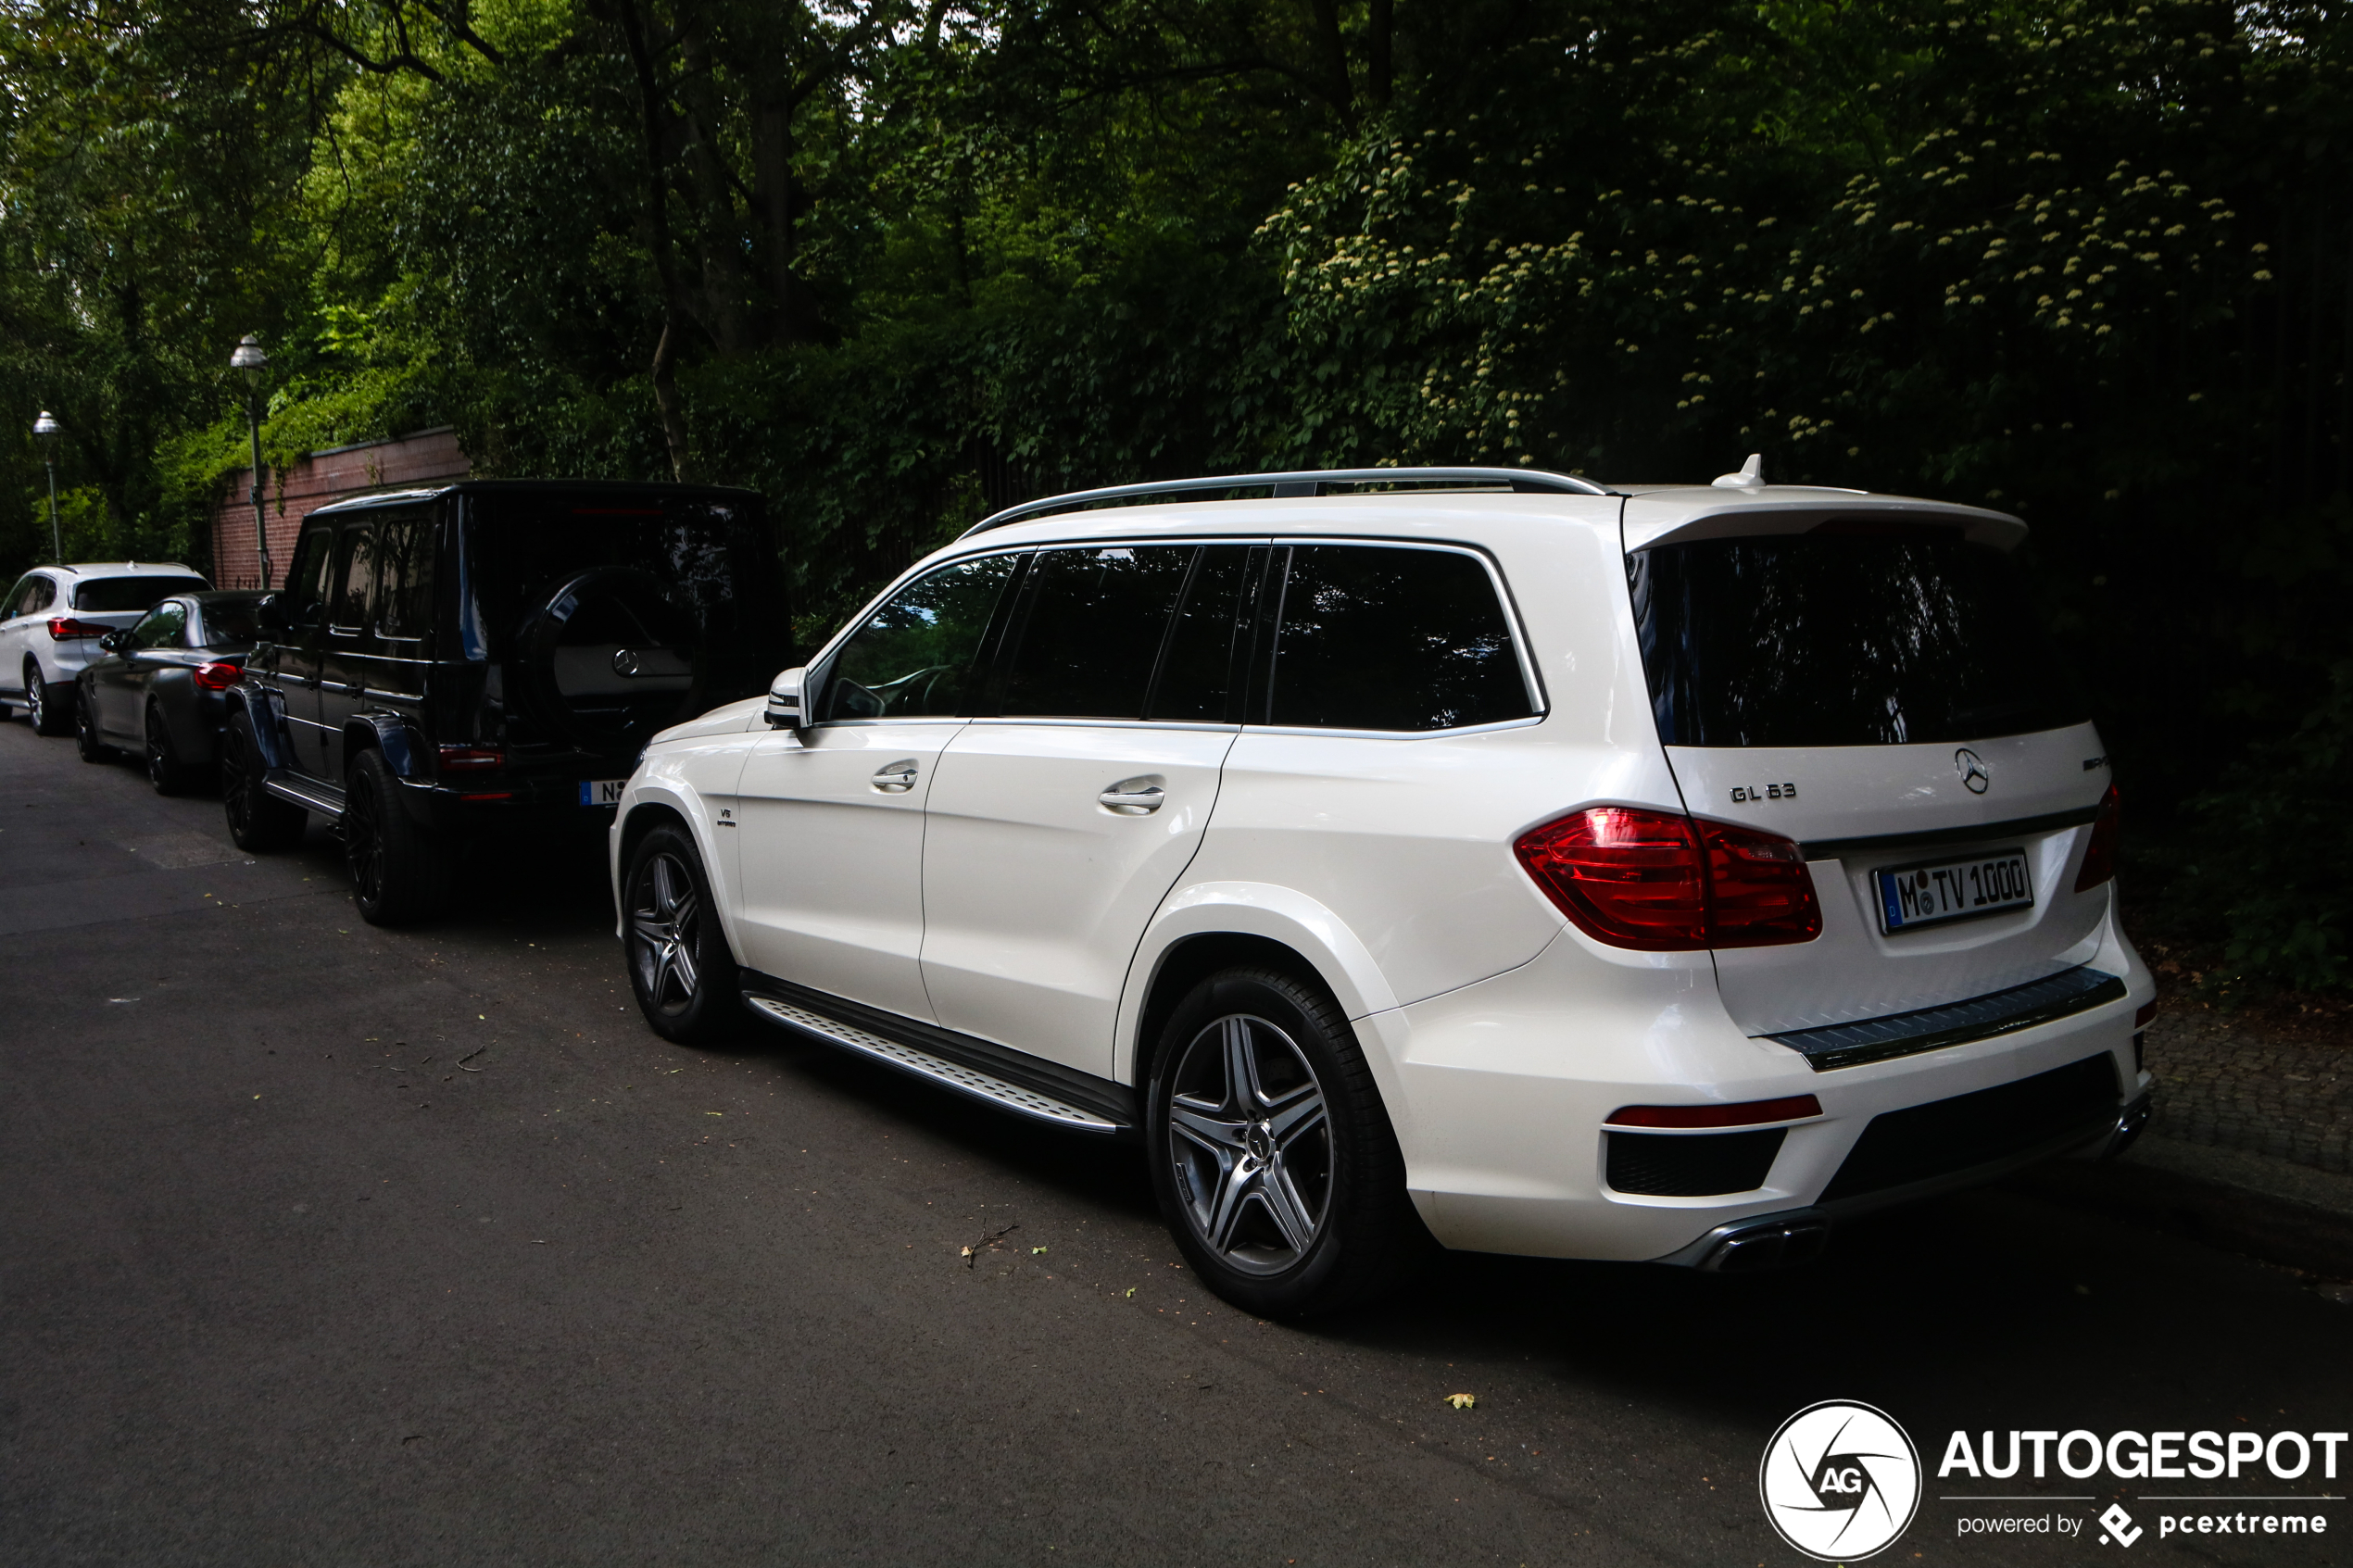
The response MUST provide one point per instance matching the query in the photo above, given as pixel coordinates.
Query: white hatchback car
(52, 620)
(1653, 873)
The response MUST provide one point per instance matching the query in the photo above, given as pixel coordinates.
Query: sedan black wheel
(1271, 1154)
(86, 739)
(258, 820)
(165, 771)
(50, 709)
(399, 872)
(679, 966)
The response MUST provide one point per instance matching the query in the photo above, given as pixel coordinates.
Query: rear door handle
(895, 778)
(1134, 797)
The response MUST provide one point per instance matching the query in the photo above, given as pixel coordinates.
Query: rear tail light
(62, 627)
(1664, 882)
(472, 758)
(2099, 856)
(218, 677)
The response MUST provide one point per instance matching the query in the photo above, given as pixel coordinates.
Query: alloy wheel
(665, 915)
(1250, 1138)
(36, 701)
(159, 758)
(363, 842)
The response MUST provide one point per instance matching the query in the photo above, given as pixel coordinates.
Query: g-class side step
(1044, 1100)
(309, 794)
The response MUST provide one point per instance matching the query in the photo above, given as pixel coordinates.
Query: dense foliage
(896, 262)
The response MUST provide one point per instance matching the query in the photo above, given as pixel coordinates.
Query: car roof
(89, 570)
(531, 486)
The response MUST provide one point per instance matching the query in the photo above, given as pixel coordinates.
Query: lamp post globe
(44, 430)
(250, 358)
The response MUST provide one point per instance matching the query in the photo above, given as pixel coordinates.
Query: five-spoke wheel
(1272, 1157)
(680, 969)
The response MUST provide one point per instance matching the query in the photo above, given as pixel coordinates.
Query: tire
(1274, 1161)
(50, 714)
(165, 771)
(258, 820)
(680, 970)
(86, 739)
(400, 872)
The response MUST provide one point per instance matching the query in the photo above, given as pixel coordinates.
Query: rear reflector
(1750, 1114)
(472, 758)
(217, 676)
(1664, 882)
(62, 627)
(2141, 1018)
(2099, 856)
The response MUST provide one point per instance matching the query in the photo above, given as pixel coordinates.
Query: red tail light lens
(1663, 883)
(218, 677)
(1748, 1113)
(62, 627)
(472, 758)
(2099, 856)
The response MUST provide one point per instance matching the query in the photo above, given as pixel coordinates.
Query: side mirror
(784, 710)
(115, 642)
(271, 615)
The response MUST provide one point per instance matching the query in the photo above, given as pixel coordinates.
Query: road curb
(2241, 1202)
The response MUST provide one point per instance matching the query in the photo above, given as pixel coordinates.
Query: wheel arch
(389, 733)
(641, 812)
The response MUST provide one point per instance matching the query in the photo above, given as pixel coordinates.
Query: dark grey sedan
(157, 690)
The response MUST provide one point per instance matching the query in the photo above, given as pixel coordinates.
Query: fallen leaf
(1131, 1292)
(1461, 1402)
(1034, 1251)
(965, 1253)
(715, 1113)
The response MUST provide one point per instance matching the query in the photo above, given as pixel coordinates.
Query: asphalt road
(325, 1245)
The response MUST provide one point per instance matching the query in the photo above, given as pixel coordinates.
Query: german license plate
(1943, 890)
(602, 792)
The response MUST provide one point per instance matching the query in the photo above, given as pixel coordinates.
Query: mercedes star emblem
(1971, 768)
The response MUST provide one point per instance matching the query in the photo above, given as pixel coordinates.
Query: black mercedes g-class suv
(488, 658)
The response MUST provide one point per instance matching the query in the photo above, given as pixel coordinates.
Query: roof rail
(1305, 483)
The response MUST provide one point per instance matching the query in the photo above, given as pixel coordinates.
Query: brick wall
(430, 457)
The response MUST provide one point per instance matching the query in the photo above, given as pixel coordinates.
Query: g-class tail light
(217, 676)
(472, 758)
(62, 627)
(2099, 856)
(1664, 882)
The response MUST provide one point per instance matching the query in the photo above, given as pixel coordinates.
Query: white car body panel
(1035, 893)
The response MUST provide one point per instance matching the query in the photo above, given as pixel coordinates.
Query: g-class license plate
(602, 792)
(1943, 890)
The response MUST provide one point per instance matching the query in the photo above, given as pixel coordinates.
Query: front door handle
(895, 778)
(1134, 797)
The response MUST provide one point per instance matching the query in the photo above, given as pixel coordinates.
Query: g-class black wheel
(258, 820)
(1272, 1157)
(399, 872)
(679, 966)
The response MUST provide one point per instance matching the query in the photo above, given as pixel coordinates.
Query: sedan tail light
(217, 676)
(62, 627)
(2099, 856)
(1664, 882)
(472, 758)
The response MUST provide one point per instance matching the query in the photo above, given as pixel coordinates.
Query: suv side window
(404, 574)
(355, 577)
(307, 578)
(160, 627)
(918, 655)
(36, 595)
(1383, 637)
(1211, 639)
(1093, 620)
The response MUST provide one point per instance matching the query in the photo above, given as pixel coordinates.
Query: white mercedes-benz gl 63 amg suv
(1661, 872)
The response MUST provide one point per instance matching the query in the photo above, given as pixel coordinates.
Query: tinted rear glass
(104, 595)
(1375, 637)
(1841, 640)
(229, 625)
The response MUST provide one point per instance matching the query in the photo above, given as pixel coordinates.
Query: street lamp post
(44, 430)
(252, 361)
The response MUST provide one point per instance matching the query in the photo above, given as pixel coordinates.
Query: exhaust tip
(1759, 1245)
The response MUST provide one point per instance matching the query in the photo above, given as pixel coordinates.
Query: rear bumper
(1499, 1094)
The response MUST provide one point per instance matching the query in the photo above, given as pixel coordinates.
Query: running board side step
(962, 1077)
(310, 796)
